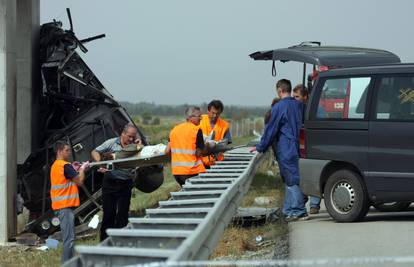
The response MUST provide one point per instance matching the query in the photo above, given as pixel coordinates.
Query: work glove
(85, 165)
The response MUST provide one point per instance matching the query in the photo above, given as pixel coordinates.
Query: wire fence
(354, 262)
(246, 127)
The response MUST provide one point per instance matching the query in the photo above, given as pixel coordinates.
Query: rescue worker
(64, 194)
(117, 184)
(283, 128)
(301, 94)
(186, 146)
(213, 122)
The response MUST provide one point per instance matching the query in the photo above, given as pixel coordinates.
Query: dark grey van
(358, 147)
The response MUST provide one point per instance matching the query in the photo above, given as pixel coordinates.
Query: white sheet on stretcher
(152, 151)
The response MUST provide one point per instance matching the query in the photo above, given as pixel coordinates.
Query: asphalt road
(379, 235)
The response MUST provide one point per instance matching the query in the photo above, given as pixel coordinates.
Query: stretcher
(137, 161)
(132, 162)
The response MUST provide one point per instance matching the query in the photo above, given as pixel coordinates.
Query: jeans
(67, 227)
(294, 204)
(315, 202)
(116, 197)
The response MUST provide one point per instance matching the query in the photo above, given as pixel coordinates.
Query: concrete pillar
(7, 119)
(28, 20)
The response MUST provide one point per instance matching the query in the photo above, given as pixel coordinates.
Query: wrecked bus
(74, 106)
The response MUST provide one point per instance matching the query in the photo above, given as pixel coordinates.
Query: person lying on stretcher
(128, 151)
(137, 150)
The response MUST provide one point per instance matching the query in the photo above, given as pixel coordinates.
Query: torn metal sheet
(253, 216)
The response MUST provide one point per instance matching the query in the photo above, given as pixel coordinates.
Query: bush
(156, 121)
(146, 118)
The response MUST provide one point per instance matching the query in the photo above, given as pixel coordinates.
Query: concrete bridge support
(19, 25)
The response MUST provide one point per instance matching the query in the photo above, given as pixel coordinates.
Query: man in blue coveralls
(283, 128)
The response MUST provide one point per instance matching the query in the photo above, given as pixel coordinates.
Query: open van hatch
(326, 57)
(330, 56)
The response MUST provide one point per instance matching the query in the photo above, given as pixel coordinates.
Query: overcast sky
(190, 51)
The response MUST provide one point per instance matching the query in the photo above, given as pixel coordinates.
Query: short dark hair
(217, 104)
(285, 85)
(302, 90)
(60, 145)
(275, 101)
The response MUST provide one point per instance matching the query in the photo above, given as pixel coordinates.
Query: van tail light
(302, 147)
(323, 68)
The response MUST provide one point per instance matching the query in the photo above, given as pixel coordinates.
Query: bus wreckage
(76, 107)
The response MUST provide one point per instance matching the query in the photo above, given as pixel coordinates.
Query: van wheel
(345, 197)
(392, 206)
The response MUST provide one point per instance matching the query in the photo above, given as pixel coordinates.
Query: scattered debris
(43, 248)
(94, 222)
(259, 239)
(264, 241)
(254, 216)
(28, 239)
(263, 200)
(52, 243)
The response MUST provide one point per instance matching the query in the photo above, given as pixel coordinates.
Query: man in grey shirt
(117, 184)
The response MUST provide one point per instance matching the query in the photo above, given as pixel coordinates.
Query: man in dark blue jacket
(283, 128)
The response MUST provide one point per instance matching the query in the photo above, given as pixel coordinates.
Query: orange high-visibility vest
(63, 192)
(183, 150)
(220, 129)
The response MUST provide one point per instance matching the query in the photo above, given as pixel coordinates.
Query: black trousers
(116, 197)
(181, 178)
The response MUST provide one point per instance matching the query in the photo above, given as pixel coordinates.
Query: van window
(343, 98)
(395, 100)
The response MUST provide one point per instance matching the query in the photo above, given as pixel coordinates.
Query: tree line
(230, 111)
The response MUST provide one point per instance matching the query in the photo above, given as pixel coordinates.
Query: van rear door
(329, 56)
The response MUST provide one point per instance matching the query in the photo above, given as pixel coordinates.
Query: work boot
(314, 210)
(303, 217)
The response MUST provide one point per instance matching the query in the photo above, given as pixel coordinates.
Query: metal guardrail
(186, 227)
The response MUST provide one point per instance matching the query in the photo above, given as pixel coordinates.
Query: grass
(236, 241)
(30, 256)
(156, 134)
(27, 256)
(19, 256)
(244, 140)
(266, 183)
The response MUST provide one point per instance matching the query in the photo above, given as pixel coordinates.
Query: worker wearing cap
(186, 146)
(64, 194)
(212, 122)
